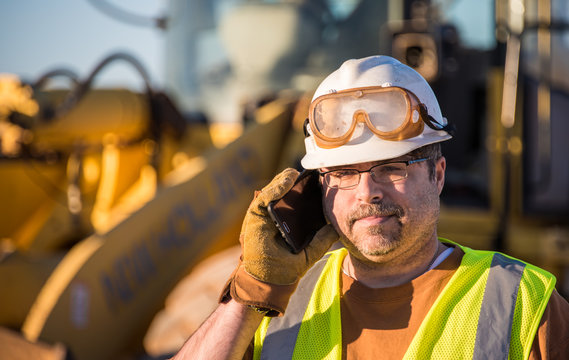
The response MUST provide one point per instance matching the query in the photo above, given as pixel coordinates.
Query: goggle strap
(450, 129)
(305, 128)
(434, 124)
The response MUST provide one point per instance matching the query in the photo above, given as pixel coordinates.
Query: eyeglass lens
(383, 173)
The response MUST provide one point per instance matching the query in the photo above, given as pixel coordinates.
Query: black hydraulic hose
(83, 87)
(71, 75)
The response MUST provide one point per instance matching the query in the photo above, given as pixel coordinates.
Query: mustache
(379, 209)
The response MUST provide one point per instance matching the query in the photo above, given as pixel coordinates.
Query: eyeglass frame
(360, 172)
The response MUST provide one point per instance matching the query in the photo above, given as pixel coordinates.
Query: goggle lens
(390, 113)
(332, 119)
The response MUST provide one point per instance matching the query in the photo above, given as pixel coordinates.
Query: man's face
(380, 221)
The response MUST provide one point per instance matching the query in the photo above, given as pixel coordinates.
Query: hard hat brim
(374, 149)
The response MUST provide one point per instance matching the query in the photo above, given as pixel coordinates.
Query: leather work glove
(265, 256)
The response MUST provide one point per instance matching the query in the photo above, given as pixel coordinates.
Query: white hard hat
(364, 146)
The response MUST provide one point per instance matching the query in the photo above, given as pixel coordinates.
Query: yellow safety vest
(490, 309)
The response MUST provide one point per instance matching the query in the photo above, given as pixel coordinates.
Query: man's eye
(342, 173)
(389, 168)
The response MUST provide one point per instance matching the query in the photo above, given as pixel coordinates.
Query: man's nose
(368, 190)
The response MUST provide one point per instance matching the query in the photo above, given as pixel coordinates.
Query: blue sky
(39, 35)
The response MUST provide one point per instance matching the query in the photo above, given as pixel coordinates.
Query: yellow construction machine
(111, 197)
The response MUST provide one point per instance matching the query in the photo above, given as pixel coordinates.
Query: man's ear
(440, 168)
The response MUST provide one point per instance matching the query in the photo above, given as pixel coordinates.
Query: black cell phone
(299, 213)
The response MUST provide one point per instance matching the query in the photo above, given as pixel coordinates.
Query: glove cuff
(246, 290)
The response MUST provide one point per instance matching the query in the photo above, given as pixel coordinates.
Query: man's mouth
(373, 220)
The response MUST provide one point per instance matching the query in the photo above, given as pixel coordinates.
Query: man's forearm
(224, 335)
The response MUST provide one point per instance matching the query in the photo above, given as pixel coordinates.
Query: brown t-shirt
(381, 323)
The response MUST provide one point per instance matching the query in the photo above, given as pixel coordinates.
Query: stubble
(380, 239)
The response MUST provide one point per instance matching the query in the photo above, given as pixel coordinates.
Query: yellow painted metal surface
(474, 228)
(109, 286)
(29, 191)
(22, 276)
(123, 113)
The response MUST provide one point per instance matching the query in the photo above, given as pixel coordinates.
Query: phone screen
(299, 214)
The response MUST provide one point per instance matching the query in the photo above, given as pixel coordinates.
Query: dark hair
(432, 152)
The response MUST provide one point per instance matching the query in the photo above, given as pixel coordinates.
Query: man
(395, 290)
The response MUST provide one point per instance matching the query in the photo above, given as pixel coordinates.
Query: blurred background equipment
(121, 207)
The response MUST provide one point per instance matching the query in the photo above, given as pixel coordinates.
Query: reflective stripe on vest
(501, 277)
(282, 332)
(497, 311)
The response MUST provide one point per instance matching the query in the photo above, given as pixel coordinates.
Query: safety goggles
(391, 113)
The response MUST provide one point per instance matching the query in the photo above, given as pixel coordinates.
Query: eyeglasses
(383, 173)
(391, 113)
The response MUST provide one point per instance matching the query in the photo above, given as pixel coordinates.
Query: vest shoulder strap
(486, 311)
(283, 332)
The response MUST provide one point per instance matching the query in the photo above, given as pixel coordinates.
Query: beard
(378, 239)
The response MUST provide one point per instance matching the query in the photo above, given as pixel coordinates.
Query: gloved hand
(265, 256)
